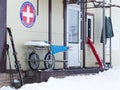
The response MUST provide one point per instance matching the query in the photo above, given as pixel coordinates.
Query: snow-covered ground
(107, 80)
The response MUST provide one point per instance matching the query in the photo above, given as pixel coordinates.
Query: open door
(73, 35)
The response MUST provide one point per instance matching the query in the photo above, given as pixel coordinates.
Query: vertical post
(65, 28)
(83, 15)
(37, 7)
(3, 6)
(110, 41)
(104, 33)
(49, 21)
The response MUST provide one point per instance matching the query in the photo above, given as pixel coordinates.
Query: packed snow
(36, 43)
(107, 80)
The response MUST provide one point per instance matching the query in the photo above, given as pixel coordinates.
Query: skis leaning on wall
(17, 64)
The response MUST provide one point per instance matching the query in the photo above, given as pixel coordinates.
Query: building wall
(39, 31)
(57, 28)
(116, 39)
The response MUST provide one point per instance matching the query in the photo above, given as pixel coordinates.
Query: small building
(61, 22)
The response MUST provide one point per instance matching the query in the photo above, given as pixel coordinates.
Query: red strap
(95, 53)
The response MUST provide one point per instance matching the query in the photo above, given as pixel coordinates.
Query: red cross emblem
(27, 14)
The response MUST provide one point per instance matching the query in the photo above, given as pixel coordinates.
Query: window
(90, 26)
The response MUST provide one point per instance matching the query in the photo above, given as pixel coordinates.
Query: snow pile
(36, 43)
(107, 80)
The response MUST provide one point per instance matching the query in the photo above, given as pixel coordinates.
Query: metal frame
(103, 5)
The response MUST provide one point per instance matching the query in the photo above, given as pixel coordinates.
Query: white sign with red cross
(27, 14)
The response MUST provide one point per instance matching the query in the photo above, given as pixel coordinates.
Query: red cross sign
(27, 14)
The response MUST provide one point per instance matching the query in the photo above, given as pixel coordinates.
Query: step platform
(44, 75)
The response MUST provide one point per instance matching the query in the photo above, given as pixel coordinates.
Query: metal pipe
(65, 30)
(110, 40)
(37, 7)
(83, 31)
(104, 62)
(50, 21)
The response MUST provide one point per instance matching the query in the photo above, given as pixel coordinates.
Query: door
(73, 35)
